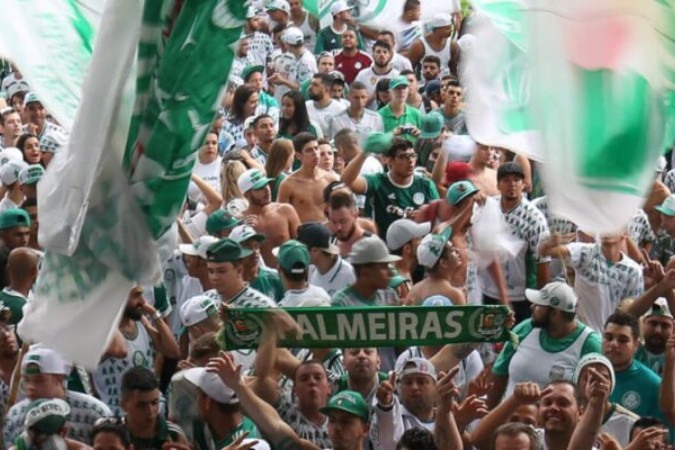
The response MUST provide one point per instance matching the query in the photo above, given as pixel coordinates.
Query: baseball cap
(8, 154)
(432, 87)
(244, 232)
(248, 70)
(252, 179)
(431, 248)
(457, 171)
(437, 300)
(378, 142)
(293, 256)
(226, 250)
(556, 295)
(220, 220)
(52, 141)
(14, 217)
(594, 358)
(398, 82)
(293, 36)
(440, 20)
(315, 234)
(47, 416)
(31, 175)
(41, 360)
(9, 174)
(432, 125)
(415, 366)
(195, 310)
(339, 6)
(659, 308)
(370, 250)
(198, 247)
(212, 385)
(280, 5)
(30, 97)
(460, 190)
(402, 231)
(668, 206)
(350, 402)
(251, 12)
(510, 168)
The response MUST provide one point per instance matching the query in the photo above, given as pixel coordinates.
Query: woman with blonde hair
(229, 175)
(279, 163)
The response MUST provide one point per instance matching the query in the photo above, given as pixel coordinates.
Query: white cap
(338, 7)
(47, 412)
(10, 154)
(244, 232)
(556, 295)
(402, 231)
(46, 360)
(659, 308)
(212, 385)
(31, 175)
(199, 246)
(9, 174)
(431, 248)
(252, 179)
(420, 366)
(293, 36)
(262, 444)
(197, 309)
(281, 5)
(594, 358)
(440, 20)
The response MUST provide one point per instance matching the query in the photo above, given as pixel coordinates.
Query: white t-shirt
(208, 172)
(370, 79)
(401, 63)
(368, 123)
(295, 297)
(335, 279)
(322, 115)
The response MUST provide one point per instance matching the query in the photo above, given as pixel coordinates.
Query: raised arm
(213, 199)
(350, 176)
(586, 431)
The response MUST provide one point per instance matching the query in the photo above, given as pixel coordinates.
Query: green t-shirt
(13, 301)
(246, 425)
(410, 117)
(389, 202)
(327, 40)
(652, 361)
(269, 283)
(637, 389)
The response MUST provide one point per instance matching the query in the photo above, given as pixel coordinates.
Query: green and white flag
(586, 88)
(156, 78)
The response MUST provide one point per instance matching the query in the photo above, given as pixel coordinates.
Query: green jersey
(389, 202)
(328, 40)
(207, 443)
(13, 301)
(269, 283)
(637, 389)
(651, 360)
(410, 117)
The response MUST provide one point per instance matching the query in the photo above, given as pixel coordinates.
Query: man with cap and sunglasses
(43, 376)
(552, 336)
(527, 225)
(14, 232)
(657, 327)
(328, 270)
(278, 222)
(294, 262)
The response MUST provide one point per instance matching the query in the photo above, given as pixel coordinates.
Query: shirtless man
(304, 188)
(278, 222)
(343, 220)
(484, 177)
(441, 261)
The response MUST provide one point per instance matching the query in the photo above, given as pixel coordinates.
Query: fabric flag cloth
(586, 88)
(157, 75)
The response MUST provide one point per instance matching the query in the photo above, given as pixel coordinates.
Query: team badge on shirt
(418, 198)
(631, 400)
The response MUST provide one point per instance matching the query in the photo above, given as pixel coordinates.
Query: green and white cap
(41, 360)
(244, 232)
(30, 97)
(594, 358)
(195, 310)
(668, 206)
(431, 248)
(556, 295)
(659, 308)
(198, 247)
(252, 179)
(460, 190)
(293, 256)
(350, 402)
(211, 385)
(31, 175)
(47, 416)
(9, 174)
(8, 154)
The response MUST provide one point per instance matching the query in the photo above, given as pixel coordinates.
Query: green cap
(396, 278)
(348, 401)
(47, 416)
(460, 190)
(378, 142)
(293, 257)
(668, 206)
(248, 70)
(220, 220)
(432, 125)
(31, 174)
(226, 250)
(14, 217)
(398, 82)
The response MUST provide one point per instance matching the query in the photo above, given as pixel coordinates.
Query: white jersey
(208, 172)
(285, 64)
(442, 54)
(335, 279)
(108, 375)
(401, 63)
(619, 424)
(406, 33)
(599, 285)
(370, 79)
(295, 297)
(322, 115)
(308, 32)
(368, 123)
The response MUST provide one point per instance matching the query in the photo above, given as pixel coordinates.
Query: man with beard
(36, 118)
(381, 68)
(322, 105)
(9, 355)
(265, 130)
(657, 326)
(278, 222)
(10, 121)
(15, 233)
(362, 367)
(552, 337)
(452, 111)
(343, 216)
(143, 339)
(350, 61)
